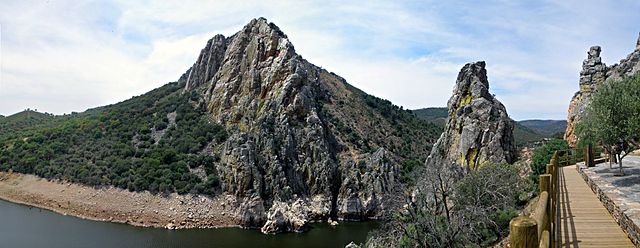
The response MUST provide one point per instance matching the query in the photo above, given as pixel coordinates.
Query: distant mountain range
(526, 131)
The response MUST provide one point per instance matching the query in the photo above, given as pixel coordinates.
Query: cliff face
(478, 128)
(303, 144)
(594, 73)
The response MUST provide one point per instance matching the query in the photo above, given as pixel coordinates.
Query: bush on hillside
(542, 156)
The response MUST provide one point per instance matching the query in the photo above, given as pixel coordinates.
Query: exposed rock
(478, 128)
(297, 132)
(594, 73)
(362, 188)
(352, 245)
(332, 222)
(283, 217)
(208, 63)
(251, 212)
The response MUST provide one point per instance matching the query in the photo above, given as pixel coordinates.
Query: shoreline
(110, 204)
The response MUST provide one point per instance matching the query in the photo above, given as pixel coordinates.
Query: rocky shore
(118, 205)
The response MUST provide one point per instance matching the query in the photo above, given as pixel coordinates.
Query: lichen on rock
(478, 128)
(298, 134)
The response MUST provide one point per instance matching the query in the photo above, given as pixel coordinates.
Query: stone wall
(626, 213)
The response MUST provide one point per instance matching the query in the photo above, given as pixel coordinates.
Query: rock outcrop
(478, 127)
(283, 217)
(593, 74)
(300, 138)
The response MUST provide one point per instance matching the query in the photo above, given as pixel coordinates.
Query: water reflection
(23, 226)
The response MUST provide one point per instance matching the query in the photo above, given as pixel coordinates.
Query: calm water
(23, 226)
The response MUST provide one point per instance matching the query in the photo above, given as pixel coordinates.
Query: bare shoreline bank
(116, 205)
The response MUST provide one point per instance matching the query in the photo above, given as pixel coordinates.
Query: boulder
(287, 217)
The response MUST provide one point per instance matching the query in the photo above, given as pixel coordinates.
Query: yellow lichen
(471, 158)
(466, 100)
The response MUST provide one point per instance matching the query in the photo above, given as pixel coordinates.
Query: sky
(60, 56)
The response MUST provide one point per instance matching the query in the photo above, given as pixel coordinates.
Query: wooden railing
(540, 229)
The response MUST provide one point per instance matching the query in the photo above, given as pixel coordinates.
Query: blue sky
(63, 56)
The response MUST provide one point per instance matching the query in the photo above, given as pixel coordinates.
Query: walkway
(584, 222)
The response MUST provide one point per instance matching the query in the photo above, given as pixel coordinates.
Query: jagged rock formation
(478, 128)
(303, 144)
(594, 73)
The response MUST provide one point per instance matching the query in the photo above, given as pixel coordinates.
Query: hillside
(546, 127)
(250, 119)
(526, 136)
(525, 132)
(16, 125)
(435, 115)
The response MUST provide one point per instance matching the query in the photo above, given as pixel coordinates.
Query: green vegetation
(546, 127)
(411, 130)
(456, 210)
(525, 132)
(525, 136)
(613, 117)
(410, 167)
(542, 155)
(136, 144)
(19, 124)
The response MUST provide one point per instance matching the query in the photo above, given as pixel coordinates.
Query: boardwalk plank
(584, 222)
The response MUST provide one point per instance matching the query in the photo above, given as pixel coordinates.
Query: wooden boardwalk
(584, 222)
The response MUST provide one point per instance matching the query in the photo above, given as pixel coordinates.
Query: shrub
(542, 156)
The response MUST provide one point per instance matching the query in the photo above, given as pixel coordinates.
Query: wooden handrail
(545, 221)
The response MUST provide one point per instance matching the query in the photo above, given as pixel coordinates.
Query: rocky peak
(257, 37)
(593, 70)
(594, 73)
(208, 62)
(303, 145)
(261, 27)
(478, 127)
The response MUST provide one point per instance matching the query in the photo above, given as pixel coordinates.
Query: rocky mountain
(478, 127)
(301, 138)
(593, 74)
(251, 120)
(525, 132)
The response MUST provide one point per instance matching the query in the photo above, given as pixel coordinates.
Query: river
(24, 226)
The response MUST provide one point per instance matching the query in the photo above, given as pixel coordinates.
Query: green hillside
(525, 132)
(546, 127)
(437, 115)
(117, 144)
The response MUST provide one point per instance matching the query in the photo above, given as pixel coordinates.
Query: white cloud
(62, 56)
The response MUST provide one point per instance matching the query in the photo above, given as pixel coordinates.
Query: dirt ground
(118, 205)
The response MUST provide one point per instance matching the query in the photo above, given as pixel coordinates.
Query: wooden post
(589, 156)
(523, 232)
(545, 179)
(545, 239)
(548, 169)
(553, 199)
(545, 185)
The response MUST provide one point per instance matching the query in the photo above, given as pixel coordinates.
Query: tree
(542, 155)
(613, 117)
(451, 209)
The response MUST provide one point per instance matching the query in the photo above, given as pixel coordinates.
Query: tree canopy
(613, 117)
